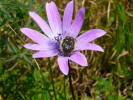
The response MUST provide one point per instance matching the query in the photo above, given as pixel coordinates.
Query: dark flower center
(67, 45)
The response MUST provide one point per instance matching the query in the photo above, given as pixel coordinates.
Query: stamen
(58, 38)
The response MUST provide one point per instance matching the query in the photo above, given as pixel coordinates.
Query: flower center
(67, 45)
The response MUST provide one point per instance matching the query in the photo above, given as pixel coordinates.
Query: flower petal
(44, 54)
(88, 46)
(67, 18)
(54, 18)
(91, 35)
(79, 59)
(34, 35)
(38, 46)
(63, 64)
(77, 24)
(41, 23)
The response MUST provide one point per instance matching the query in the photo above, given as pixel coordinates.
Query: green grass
(109, 75)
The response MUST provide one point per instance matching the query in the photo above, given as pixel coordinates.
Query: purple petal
(67, 18)
(88, 46)
(79, 59)
(41, 23)
(38, 46)
(77, 24)
(34, 35)
(63, 64)
(54, 18)
(91, 35)
(44, 54)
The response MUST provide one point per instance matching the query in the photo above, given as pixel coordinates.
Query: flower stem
(43, 79)
(52, 78)
(70, 82)
(65, 88)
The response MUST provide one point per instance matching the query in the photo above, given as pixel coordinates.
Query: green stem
(52, 78)
(70, 82)
(64, 88)
(47, 87)
(43, 78)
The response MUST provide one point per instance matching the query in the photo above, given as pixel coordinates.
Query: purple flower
(62, 36)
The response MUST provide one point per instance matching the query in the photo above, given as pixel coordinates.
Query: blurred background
(109, 75)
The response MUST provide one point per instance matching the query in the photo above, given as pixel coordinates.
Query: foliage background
(109, 75)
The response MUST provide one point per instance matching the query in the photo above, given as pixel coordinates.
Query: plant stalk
(51, 74)
(70, 82)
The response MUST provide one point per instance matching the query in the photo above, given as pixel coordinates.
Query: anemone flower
(61, 37)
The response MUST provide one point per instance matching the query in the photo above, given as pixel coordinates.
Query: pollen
(67, 45)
